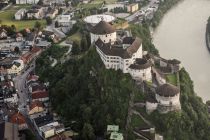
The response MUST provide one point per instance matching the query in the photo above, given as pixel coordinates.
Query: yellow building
(132, 7)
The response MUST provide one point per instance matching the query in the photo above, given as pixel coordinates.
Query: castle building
(104, 31)
(120, 53)
(166, 99)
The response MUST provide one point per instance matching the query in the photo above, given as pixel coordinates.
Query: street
(136, 14)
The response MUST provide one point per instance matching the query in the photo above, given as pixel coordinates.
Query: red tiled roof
(18, 118)
(35, 49)
(29, 55)
(41, 94)
(59, 137)
(36, 104)
(32, 77)
(38, 87)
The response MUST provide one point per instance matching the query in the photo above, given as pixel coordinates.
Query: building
(37, 12)
(27, 1)
(132, 7)
(31, 55)
(42, 96)
(9, 131)
(85, 1)
(103, 30)
(120, 52)
(3, 33)
(95, 19)
(19, 37)
(20, 120)
(64, 20)
(20, 14)
(112, 128)
(47, 127)
(11, 65)
(119, 56)
(52, 13)
(141, 69)
(116, 136)
(36, 109)
(166, 99)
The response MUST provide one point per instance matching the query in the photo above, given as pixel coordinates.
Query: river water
(181, 35)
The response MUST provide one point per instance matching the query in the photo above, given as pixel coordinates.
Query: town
(30, 28)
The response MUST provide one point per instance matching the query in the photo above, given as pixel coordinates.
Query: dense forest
(84, 91)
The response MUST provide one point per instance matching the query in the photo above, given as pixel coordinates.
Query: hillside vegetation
(84, 91)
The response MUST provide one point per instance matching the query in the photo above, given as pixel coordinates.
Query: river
(181, 35)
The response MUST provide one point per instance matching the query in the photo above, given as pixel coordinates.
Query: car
(21, 91)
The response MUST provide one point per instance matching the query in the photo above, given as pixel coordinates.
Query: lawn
(95, 3)
(171, 78)
(89, 5)
(136, 121)
(7, 18)
(76, 37)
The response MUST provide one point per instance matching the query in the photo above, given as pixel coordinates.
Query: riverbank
(162, 10)
(207, 36)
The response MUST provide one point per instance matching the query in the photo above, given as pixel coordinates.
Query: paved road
(20, 85)
(23, 92)
(134, 15)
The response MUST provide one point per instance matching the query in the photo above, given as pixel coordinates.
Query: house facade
(20, 14)
(133, 7)
(27, 1)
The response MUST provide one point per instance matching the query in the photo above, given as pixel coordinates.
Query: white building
(141, 69)
(20, 14)
(133, 7)
(104, 31)
(166, 99)
(27, 1)
(11, 98)
(120, 53)
(64, 20)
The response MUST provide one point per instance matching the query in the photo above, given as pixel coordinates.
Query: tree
(75, 48)
(56, 24)
(60, 11)
(84, 43)
(88, 132)
(40, 2)
(13, 27)
(17, 50)
(37, 25)
(48, 20)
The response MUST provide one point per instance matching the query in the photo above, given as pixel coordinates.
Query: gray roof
(141, 63)
(117, 50)
(103, 28)
(167, 90)
(174, 61)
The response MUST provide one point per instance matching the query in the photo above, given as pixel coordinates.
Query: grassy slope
(7, 18)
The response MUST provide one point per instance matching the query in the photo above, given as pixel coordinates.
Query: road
(20, 85)
(23, 92)
(136, 14)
